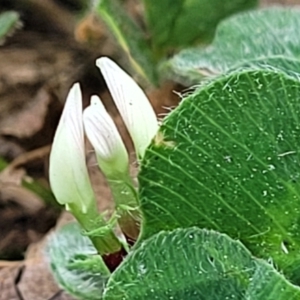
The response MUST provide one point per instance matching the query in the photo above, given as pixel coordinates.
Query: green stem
(100, 233)
(127, 206)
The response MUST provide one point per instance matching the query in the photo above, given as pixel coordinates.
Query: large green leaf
(263, 34)
(76, 265)
(192, 264)
(176, 23)
(229, 160)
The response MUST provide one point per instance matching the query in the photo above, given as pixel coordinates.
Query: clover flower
(102, 132)
(69, 177)
(68, 172)
(132, 103)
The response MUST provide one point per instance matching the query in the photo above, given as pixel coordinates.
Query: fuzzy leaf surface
(76, 265)
(267, 34)
(269, 285)
(190, 264)
(229, 161)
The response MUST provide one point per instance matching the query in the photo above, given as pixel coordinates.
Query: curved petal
(132, 103)
(68, 173)
(103, 134)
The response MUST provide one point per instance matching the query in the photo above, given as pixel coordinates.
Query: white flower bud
(132, 103)
(68, 173)
(102, 132)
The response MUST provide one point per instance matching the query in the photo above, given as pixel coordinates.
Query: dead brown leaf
(30, 119)
(8, 277)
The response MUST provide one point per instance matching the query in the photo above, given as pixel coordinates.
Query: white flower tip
(104, 62)
(67, 171)
(105, 138)
(74, 94)
(75, 89)
(95, 101)
(100, 129)
(109, 68)
(73, 103)
(132, 103)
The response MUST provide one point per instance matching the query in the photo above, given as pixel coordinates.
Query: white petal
(103, 134)
(132, 103)
(68, 173)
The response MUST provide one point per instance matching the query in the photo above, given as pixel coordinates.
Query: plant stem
(101, 235)
(127, 206)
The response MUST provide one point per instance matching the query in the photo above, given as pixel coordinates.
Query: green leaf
(44, 193)
(189, 264)
(130, 38)
(35, 186)
(177, 23)
(229, 161)
(3, 163)
(269, 285)
(290, 66)
(267, 34)
(76, 265)
(9, 21)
